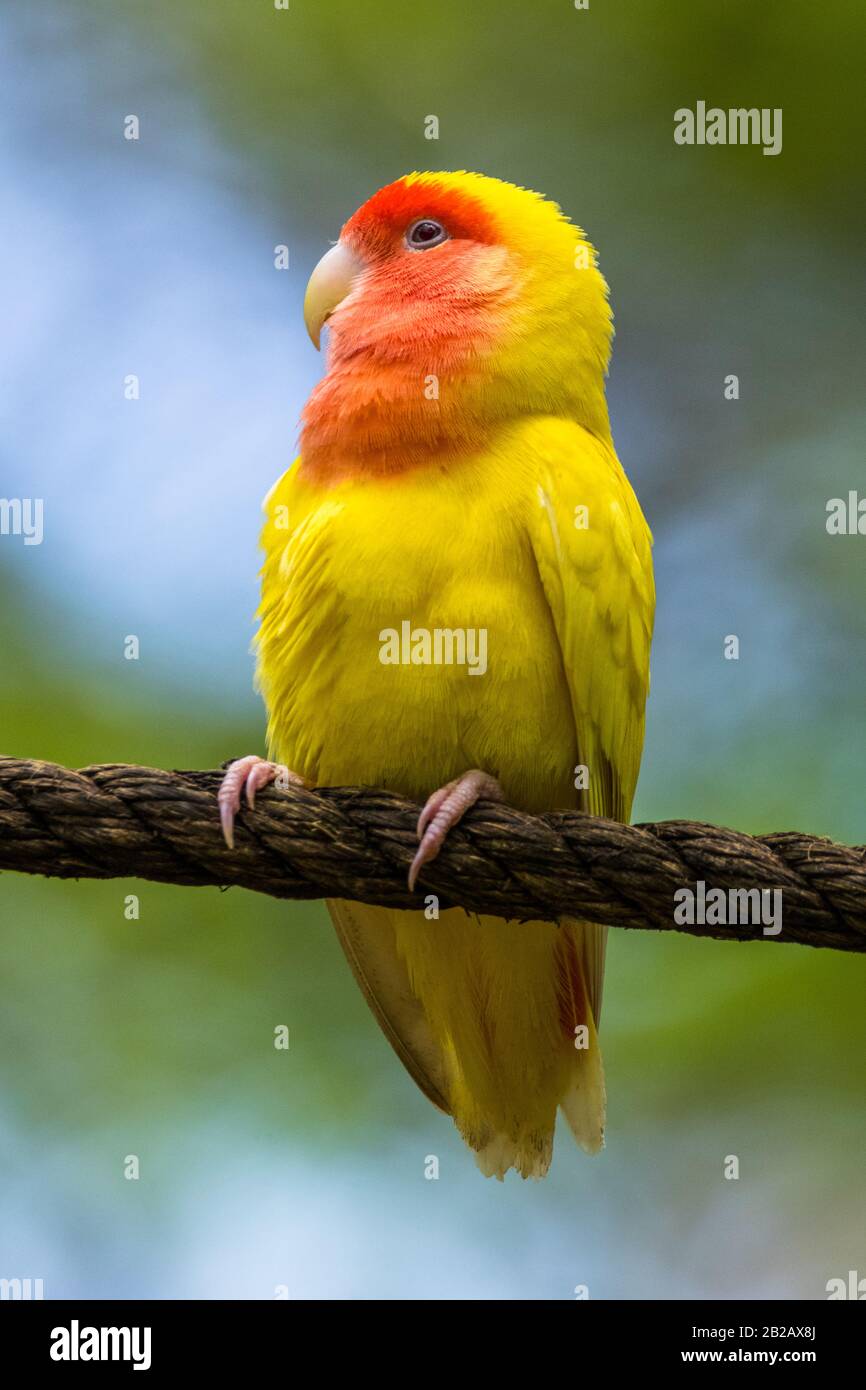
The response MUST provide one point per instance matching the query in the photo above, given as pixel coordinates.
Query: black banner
(151, 1338)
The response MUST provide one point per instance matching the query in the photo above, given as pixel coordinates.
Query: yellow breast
(405, 635)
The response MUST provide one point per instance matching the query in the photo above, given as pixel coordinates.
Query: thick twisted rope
(119, 821)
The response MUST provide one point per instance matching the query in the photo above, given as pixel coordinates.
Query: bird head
(455, 304)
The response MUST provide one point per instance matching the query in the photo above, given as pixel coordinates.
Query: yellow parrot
(457, 603)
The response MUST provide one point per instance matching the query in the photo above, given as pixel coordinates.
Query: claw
(444, 808)
(227, 822)
(250, 773)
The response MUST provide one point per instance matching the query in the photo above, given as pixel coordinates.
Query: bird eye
(425, 233)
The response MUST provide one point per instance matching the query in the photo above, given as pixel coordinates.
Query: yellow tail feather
(492, 1020)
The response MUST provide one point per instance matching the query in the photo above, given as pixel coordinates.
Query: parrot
(456, 495)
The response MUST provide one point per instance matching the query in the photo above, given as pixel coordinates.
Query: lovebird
(457, 604)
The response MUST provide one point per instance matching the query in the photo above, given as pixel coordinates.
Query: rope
(119, 821)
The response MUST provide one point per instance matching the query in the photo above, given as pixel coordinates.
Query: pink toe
(442, 811)
(431, 806)
(259, 777)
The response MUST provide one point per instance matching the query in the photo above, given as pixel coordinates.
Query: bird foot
(444, 809)
(250, 773)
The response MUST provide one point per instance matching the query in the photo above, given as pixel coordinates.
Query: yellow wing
(593, 551)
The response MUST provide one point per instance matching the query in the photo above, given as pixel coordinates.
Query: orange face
(436, 272)
(449, 299)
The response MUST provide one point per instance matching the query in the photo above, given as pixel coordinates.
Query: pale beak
(330, 282)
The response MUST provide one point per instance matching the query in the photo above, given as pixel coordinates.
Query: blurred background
(305, 1168)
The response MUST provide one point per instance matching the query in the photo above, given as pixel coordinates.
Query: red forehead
(394, 208)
